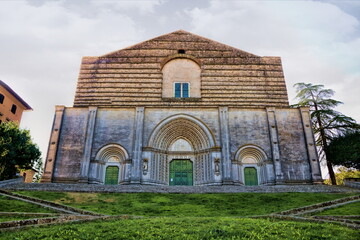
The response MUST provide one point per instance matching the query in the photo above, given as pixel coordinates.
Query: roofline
(4, 85)
(177, 31)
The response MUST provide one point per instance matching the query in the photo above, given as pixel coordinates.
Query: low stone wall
(15, 180)
(352, 182)
(62, 187)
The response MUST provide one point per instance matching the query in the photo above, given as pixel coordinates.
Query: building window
(13, 109)
(181, 90)
(1, 98)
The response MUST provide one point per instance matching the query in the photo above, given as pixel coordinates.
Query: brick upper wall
(133, 77)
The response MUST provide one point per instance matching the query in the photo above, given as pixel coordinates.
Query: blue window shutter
(185, 90)
(178, 90)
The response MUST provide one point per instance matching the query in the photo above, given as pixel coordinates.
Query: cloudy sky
(42, 42)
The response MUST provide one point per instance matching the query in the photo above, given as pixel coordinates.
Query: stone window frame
(182, 90)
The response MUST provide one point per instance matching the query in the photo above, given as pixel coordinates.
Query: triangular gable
(182, 38)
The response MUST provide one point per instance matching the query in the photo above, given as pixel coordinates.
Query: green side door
(251, 178)
(112, 175)
(181, 172)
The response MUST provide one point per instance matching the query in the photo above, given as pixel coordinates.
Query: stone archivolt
(181, 126)
(111, 151)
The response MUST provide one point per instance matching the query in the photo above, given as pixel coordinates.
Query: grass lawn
(186, 228)
(13, 205)
(348, 209)
(183, 205)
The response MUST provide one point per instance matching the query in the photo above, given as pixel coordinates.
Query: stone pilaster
(310, 146)
(274, 142)
(85, 163)
(53, 145)
(225, 145)
(127, 171)
(137, 150)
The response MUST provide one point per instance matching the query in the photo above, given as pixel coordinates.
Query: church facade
(181, 109)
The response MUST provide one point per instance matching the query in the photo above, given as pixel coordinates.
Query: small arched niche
(181, 79)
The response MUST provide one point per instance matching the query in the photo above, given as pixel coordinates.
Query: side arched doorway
(108, 167)
(251, 167)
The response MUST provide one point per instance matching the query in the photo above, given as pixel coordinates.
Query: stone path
(47, 204)
(65, 213)
(307, 213)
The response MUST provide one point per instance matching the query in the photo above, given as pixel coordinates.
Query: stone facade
(231, 122)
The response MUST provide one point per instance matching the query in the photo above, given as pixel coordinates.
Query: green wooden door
(111, 175)
(250, 176)
(181, 172)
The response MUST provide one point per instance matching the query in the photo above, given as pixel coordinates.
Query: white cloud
(41, 50)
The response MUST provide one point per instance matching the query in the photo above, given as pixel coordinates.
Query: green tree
(17, 151)
(345, 150)
(343, 173)
(327, 123)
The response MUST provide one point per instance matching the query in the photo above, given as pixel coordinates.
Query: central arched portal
(181, 151)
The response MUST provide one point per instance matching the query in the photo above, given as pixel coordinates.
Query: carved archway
(181, 126)
(251, 156)
(110, 155)
(180, 137)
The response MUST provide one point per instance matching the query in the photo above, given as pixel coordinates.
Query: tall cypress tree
(326, 122)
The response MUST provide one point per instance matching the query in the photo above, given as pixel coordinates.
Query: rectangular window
(185, 90)
(2, 98)
(178, 90)
(182, 90)
(13, 109)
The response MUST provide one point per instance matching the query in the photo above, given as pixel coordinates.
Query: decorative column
(310, 146)
(274, 142)
(85, 163)
(137, 150)
(53, 145)
(225, 145)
